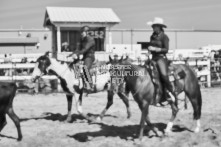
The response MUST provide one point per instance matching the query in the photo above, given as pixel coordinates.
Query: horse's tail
(197, 114)
(194, 93)
(197, 101)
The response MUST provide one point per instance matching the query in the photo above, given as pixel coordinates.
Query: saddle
(98, 68)
(160, 93)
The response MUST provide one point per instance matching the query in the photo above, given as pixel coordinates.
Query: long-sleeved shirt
(161, 41)
(87, 46)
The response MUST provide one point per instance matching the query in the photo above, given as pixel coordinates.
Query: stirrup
(172, 98)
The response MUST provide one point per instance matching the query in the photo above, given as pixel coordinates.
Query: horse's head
(117, 71)
(41, 67)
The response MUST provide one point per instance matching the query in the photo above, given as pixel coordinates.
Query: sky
(177, 14)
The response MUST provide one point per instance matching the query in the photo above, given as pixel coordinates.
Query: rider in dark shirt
(87, 49)
(159, 46)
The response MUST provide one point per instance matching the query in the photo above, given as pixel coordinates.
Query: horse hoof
(137, 141)
(158, 133)
(68, 120)
(98, 119)
(197, 130)
(19, 139)
(4, 124)
(167, 132)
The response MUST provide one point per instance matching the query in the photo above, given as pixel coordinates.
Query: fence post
(209, 74)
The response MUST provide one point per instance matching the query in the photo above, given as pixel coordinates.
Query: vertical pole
(24, 49)
(58, 39)
(131, 40)
(122, 37)
(209, 74)
(175, 45)
(110, 39)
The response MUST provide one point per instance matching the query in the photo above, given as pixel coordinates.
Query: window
(72, 37)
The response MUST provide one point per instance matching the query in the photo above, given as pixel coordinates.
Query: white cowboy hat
(157, 21)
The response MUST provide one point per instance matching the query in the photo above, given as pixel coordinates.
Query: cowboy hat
(85, 29)
(64, 43)
(157, 21)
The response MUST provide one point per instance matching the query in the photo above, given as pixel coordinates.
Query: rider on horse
(87, 49)
(159, 46)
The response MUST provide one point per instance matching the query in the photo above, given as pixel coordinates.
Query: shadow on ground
(9, 137)
(61, 118)
(54, 117)
(124, 132)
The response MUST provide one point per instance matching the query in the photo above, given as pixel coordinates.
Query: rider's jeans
(88, 61)
(163, 69)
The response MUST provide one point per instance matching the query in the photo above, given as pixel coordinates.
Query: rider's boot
(172, 97)
(89, 87)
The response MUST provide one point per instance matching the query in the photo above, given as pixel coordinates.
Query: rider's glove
(155, 49)
(151, 48)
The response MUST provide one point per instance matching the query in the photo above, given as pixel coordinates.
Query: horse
(72, 86)
(7, 95)
(139, 82)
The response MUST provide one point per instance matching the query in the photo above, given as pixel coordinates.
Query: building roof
(31, 40)
(80, 15)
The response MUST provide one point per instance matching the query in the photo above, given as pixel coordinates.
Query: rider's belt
(89, 55)
(159, 56)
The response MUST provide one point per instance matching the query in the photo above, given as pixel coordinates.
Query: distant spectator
(180, 57)
(217, 61)
(24, 60)
(212, 53)
(8, 72)
(7, 59)
(65, 47)
(217, 64)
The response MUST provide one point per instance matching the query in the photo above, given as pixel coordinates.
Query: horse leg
(69, 100)
(16, 121)
(3, 121)
(125, 99)
(174, 113)
(152, 127)
(78, 98)
(144, 110)
(110, 96)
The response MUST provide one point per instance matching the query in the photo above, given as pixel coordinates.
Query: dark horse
(139, 83)
(72, 85)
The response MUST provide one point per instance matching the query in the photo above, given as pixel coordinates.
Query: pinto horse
(139, 83)
(72, 87)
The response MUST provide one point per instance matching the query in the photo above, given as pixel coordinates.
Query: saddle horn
(47, 54)
(110, 59)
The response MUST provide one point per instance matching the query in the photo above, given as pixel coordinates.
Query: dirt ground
(42, 123)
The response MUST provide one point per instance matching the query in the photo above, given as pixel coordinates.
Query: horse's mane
(127, 62)
(141, 69)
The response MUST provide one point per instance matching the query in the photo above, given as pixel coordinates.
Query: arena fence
(21, 72)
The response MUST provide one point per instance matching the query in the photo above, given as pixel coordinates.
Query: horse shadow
(55, 117)
(5, 136)
(129, 132)
(62, 118)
